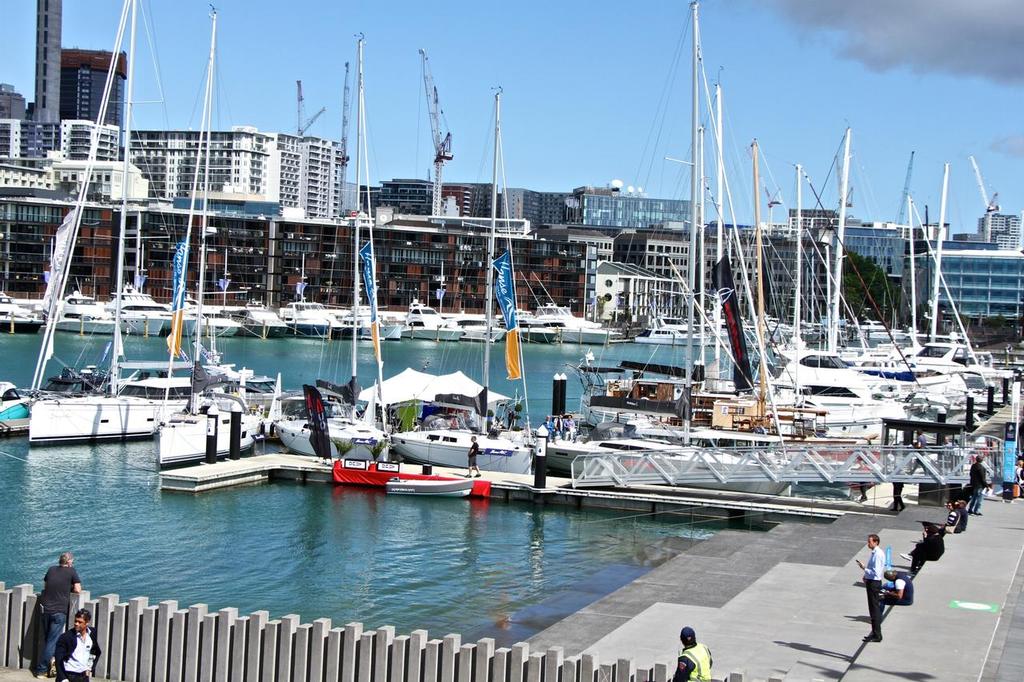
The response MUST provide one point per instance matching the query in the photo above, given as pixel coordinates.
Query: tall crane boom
(906, 191)
(442, 141)
(989, 202)
(302, 126)
(344, 157)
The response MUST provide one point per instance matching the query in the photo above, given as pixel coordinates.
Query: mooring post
(235, 442)
(212, 416)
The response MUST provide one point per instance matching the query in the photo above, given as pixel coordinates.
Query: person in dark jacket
(931, 548)
(902, 593)
(978, 485)
(78, 650)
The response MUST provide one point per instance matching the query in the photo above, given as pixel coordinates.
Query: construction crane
(991, 204)
(906, 191)
(442, 143)
(300, 126)
(344, 156)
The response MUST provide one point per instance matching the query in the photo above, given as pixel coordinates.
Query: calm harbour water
(479, 567)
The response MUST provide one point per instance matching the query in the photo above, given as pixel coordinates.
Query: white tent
(411, 385)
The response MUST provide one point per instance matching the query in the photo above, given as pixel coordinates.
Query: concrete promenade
(789, 604)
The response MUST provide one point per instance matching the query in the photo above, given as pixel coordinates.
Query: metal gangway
(794, 463)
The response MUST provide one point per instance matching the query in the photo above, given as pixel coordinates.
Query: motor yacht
(423, 322)
(15, 319)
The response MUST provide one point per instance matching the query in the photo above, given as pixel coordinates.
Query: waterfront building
(83, 77)
(540, 208)
(1005, 230)
(664, 253)
(20, 139)
(37, 139)
(46, 107)
(883, 243)
(611, 207)
(19, 174)
(12, 103)
(984, 281)
(631, 294)
(10, 138)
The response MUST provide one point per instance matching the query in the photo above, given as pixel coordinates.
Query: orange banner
(512, 354)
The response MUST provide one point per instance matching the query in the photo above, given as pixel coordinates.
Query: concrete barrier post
(499, 671)
(624, 670)
(571, 669)
(553, 663)
(225, 623)
(661, 672)
(31, 632)
(589, 665)
(19, 595)
(132, 627)
(162, 639)
(193, 631)
(464, 663)
(102, 622)
(365, 656)
(318, 648)
(268, 670)
(535, 668)
(208, 650)
(381, 650)
(285, 646)
(398, 665)
(332, 666)
(5, 623)
(484, 656)
(115, 654)
(147, 643)
(253, 657)
(417, 650)
(300, 653)
(432, 661)
(517, 661)
(176, 651)
(350, 645)
(448, 650)
(606, 672)
(239, 649)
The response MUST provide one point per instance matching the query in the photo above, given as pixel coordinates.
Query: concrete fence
(162, 643)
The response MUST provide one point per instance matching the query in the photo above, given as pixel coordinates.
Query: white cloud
(1011, 145)
(961, 37)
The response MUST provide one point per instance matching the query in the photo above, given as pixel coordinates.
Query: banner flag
(300, 287)
(178, 299)
(58, 263)
(722, 280)
(370, 285)
(505, 292)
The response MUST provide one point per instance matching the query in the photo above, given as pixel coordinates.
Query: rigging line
(151, 38)
(662, 107)
(419, 115)
(148, 479)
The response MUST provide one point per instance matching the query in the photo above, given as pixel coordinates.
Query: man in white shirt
(77, 650)
(873, 572)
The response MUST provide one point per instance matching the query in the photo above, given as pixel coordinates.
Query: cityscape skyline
(556, 120)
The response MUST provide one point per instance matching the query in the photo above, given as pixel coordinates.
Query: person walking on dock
(55, 601)
(694, 661)
(873, 572)
(78, 650)
(978, 485)
(474, 450)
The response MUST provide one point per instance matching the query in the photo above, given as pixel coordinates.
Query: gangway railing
(793, 463)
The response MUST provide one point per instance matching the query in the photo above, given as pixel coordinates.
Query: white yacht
(423, 322)
(350, 438)
(442, 443)
(571, 329)
(259, 321)
(954, 358)
(307, 319)
(83, 314)
(474, 328)
(662, 336)
(14, 409)
(15, 319)
(214, 322)
(140, 314)
(181, 438)
(133, 413)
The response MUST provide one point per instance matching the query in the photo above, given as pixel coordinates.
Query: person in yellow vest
(694, 658)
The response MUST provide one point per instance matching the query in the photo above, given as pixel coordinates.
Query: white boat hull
(450, 448)
(146, 326)
(82, 326)
(439, 334)
(444, 488)
(96, 418)
(294, 435)
(183, 439)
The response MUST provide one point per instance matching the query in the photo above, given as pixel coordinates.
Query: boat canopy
(412, 385)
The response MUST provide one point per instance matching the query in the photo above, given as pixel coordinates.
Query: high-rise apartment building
(46, 108)
(83, 77)
(72, 139)
(12, 103)
(1005, 230)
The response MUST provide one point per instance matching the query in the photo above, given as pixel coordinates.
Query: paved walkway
(789, 604)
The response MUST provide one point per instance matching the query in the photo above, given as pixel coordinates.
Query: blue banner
(299, 288)
(223, 284)
(180, 267)
(366, 256)
(505, 290)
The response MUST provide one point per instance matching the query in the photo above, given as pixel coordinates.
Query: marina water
(481, 568)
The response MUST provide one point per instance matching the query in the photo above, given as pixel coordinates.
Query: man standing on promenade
(474, 450)
(78, 650)
(873, 584)
(694, 659)
(978, 485)
(58, 584)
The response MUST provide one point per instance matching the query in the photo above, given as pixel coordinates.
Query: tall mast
(837, 287)
(799, 232)
(359, 203)
(692, 260)
(719, 228)
(700, 242)
(913, 273)
(205, 221)
(118, 349)
(763, 370)
(940, 235)
(488, 304)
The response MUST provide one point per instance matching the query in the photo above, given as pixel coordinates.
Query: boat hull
(90, 419)
(19, 326)
(450, 448)
(263, 331)
(83, 326)
(439, 334)
(182, 440)
(294, 435)
(430, 488)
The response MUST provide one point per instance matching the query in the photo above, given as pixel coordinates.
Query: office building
(983, 280)
(83, 77)
(540, 208)
(46, 107)
(611, 207)
(1005, 230)
(12, 103)
(630, 294)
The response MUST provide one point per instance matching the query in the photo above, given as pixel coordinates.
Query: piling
(540, 460)
(558, 394)
(235, 442)
(1006, 390)
(969, 417)
(211, 434)
(990, 405)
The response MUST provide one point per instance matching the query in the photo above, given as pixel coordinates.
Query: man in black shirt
(55, 601)
(978, 485)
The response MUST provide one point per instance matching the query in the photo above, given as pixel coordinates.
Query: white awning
(412, 385)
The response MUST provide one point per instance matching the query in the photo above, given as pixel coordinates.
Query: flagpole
(489, 308)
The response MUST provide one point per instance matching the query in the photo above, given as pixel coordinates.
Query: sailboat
(132, 406)
(439, 441)
(350, 436)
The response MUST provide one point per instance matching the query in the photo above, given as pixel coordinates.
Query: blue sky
(592, 91)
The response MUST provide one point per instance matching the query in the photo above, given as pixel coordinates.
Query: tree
(862, 276)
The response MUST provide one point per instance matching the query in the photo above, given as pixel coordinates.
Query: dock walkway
(789, 604)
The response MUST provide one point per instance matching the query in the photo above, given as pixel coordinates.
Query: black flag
(349, 393)
(722, 281)
(317, 415)
(202, 380)
(477, 403)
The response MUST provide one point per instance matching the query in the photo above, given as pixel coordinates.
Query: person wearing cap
(694, 658)
(902, 593)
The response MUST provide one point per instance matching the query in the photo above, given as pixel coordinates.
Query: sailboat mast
(837, 287)
(913, 273)
(692, 259)
(205, 221)
(799, 232)
(488, 304)
(359, 205)
(702, 268)
(117, 348)
(719, 227)
(940, 235)
(763, 369)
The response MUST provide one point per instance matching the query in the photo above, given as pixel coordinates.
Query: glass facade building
(983, 283)
(609, 207)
